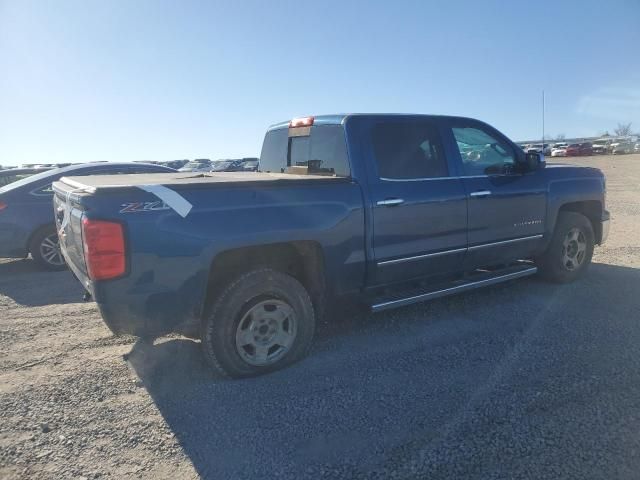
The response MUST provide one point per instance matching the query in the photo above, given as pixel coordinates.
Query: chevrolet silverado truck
(391, 209)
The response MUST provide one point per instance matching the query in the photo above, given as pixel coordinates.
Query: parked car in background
(622, 148)
(579, 149)
(225, 166)
(27, 223)
(11, 175)
(175, 164)
(250, 164)
(235, 165)
(539, 148)
(559, 150)
(197, 165)
(637, 147)
(601, 146)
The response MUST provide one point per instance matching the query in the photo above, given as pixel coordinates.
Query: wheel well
(592, 209)
(35, 232)
(302, 260)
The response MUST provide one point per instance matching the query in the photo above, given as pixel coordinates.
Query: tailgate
(68, 212)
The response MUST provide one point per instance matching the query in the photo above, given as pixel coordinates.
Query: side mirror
(534, 161)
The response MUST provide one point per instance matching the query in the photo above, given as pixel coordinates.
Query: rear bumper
(148, 305)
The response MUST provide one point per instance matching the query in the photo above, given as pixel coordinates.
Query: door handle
(480, 193)
(390, 202)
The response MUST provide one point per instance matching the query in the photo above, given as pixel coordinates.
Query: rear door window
(408, 151)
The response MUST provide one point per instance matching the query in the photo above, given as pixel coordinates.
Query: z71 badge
(144, 207)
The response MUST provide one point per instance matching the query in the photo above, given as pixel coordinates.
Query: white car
(539, 148)
(559, 151)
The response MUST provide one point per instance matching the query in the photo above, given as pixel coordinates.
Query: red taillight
(301, 122)
(2, 206)
(104, 251)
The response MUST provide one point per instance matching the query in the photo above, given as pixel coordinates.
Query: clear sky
(160, 80)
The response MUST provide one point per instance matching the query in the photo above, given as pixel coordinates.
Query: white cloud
(612, 103)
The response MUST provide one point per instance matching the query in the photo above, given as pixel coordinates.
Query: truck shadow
(27, 284)
(373, 384)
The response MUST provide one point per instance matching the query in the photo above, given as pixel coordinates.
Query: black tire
(557, 264)
(43, 252)
(249, 291)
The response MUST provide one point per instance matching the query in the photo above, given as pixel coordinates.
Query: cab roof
(338, 119)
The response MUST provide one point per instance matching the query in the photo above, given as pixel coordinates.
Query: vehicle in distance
(250, 164)
(391, 209)
(579, 149)
(539, 148)
(197, 165)
(26, 222)
(559, 150)
(238, 165)
(622, 148)
(601, 146)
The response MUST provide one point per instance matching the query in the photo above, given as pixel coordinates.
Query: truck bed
(95, 183)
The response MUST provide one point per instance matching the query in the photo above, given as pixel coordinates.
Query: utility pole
(543, 119)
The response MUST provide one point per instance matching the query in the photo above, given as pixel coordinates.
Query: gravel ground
(523, 380)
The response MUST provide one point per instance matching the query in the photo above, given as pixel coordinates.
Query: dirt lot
(525, 380)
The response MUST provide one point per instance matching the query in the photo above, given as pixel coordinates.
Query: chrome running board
(485, 280)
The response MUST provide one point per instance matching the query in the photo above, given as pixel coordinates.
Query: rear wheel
(45, 249)
(263, 321)
(570, 250)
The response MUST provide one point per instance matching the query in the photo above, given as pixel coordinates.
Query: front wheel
(569, 253)
(263, 321)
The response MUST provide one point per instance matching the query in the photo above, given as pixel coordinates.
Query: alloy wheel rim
(266, 332)
(50, 250)
(574, 249)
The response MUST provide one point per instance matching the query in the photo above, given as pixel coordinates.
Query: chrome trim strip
(449, 291)
(503, 242)
(457, 250)
(390, 202)
(418, 257)
(481, 193)
(424, 179)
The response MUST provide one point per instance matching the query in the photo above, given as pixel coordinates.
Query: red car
(576, 149)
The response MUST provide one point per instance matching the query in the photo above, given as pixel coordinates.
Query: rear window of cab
(320, 148)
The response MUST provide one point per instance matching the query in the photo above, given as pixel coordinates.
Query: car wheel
(569, 253)
(263, 321)
(45, 249)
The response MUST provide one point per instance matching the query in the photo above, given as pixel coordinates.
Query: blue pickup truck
(394, 209)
